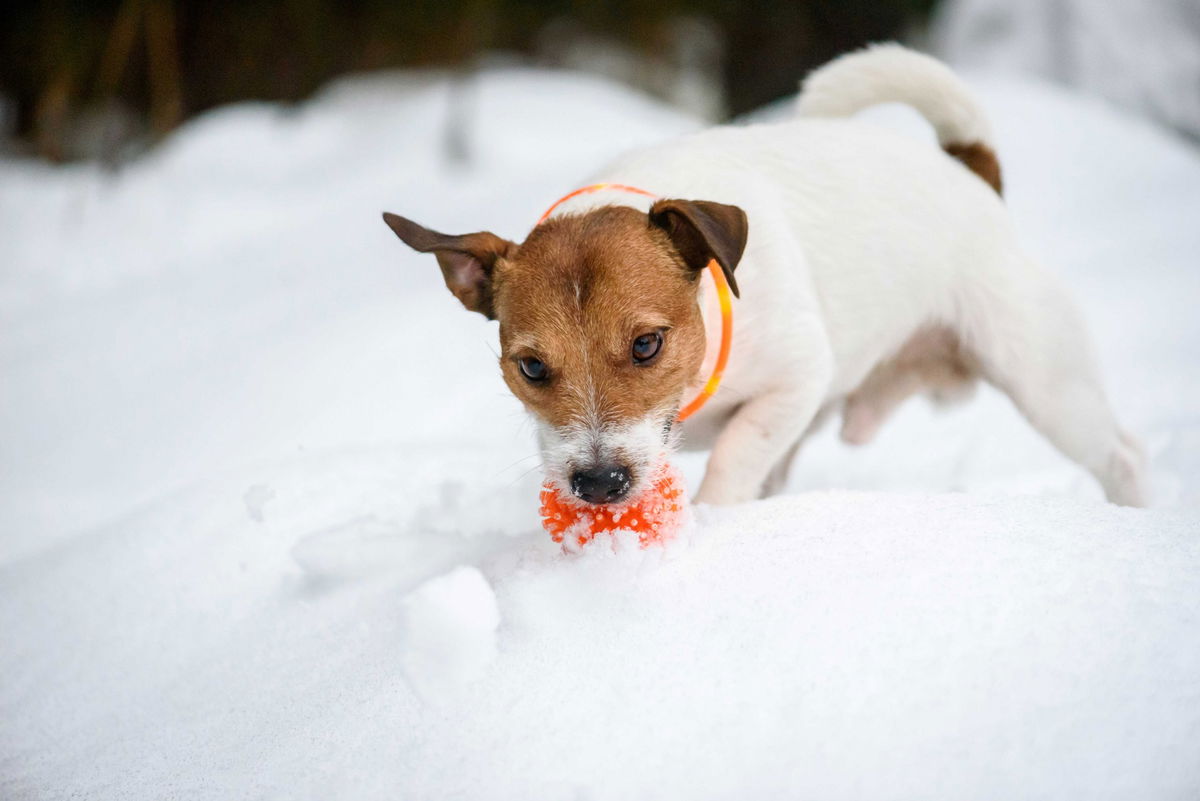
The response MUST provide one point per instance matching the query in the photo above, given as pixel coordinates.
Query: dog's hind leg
(932, 362)
(1033, 346)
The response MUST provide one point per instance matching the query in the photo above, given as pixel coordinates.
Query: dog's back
(880, 226)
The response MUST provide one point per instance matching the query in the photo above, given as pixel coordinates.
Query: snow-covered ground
(267, 512)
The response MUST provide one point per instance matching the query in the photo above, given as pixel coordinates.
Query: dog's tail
(889, 73)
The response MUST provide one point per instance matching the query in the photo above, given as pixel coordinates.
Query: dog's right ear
(466, 261)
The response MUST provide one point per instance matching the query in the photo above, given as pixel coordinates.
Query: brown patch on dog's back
(979, 159)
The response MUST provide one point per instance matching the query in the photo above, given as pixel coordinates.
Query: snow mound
(450, 630)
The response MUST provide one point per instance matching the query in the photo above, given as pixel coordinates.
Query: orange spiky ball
(655, 515)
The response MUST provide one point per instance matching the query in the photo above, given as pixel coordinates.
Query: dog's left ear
(702, 230)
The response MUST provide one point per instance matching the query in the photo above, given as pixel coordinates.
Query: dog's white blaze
(638, 445)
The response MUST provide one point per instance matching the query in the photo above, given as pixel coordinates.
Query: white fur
(889, 73)
(859, 238)
(639, 446)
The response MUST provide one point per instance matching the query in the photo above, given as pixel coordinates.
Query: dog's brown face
(600, 329)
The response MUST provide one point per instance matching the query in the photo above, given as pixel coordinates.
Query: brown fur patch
(575, 295)
(703, 230)
(979, 159)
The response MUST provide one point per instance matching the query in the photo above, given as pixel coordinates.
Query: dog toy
(655, 515)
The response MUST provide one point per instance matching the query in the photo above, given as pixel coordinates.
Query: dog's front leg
(756, 438)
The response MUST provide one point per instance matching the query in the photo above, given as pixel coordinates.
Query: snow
(268, 516)
(450, 630)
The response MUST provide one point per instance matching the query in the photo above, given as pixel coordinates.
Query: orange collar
(723, 296)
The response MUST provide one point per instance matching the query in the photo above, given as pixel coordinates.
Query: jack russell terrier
(871, 267)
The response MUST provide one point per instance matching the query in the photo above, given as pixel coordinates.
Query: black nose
(606, 484)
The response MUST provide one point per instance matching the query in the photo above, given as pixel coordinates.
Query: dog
(868, 268)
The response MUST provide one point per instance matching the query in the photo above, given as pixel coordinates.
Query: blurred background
(105, 79)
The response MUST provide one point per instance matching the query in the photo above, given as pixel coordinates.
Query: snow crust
(268, 517)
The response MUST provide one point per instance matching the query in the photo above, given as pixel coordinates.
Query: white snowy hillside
(268, 514)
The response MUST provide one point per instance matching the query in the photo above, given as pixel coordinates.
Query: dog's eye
(647, 346)
(533, 369)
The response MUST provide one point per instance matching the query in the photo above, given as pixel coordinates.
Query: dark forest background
(135, 69)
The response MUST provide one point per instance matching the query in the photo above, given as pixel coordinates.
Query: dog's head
(600, 329)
